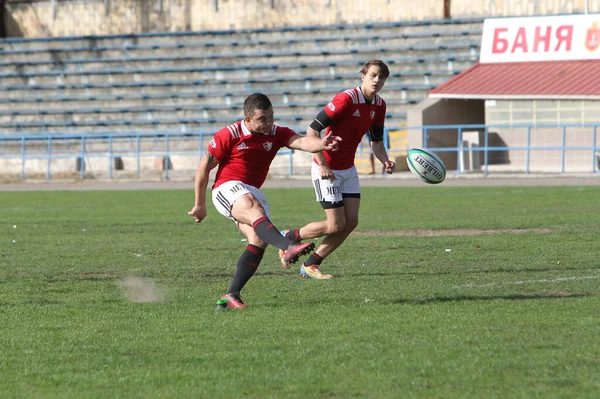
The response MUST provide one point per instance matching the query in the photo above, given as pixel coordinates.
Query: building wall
(443, 112)
(91, 17)
(545, 112)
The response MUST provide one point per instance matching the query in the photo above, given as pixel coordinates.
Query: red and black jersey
(245, 156)
(352, 117)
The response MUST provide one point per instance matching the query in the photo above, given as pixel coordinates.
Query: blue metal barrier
(563, 145)
(576, 143)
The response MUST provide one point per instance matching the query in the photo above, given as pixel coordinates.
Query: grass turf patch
(444, 316)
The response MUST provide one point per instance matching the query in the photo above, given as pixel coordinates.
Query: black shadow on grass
(513, 297)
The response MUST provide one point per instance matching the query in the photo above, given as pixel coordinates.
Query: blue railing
(521, 148)
(573, 138)
(133, 145)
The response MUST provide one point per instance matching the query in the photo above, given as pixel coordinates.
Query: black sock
(266, 231)
(314, 259)
(294, 235)
(246, 266)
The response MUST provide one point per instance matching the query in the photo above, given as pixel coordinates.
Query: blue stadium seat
(237, 56)
(288, 65)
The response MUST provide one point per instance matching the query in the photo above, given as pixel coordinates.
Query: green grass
(498, 316)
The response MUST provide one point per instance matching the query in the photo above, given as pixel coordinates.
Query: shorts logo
(236, 188)
(334, 190)
(356, 113)
(372, 114)
(331, 106)
(268, 145)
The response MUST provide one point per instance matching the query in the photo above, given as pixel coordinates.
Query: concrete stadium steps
(71, 54)
(296, 121)
(189, 81)
(241, 37)
(221, 86)
(90, 115)
(235, 59)
(148, 74)
(394, 95)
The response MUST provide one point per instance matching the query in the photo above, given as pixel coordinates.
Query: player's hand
(198, 212)
(326, 172)
(330, 142)
(389, 167)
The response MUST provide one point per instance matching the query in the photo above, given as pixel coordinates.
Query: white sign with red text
(569, 37)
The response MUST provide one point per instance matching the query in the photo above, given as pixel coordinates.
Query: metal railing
(525, 148)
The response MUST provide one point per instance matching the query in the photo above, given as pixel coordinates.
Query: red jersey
(245, 156)
(352, 117)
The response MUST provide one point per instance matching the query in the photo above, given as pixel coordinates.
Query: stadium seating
(186, 81)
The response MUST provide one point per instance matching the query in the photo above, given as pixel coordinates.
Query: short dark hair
(385, 71)
(256, 101)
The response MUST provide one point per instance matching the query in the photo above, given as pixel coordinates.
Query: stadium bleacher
(176, 81)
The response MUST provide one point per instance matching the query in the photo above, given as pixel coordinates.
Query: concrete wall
(443, 112)
(182, 166)
(91, 17)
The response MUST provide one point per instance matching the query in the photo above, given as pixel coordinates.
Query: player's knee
(351, 224)
(335, 226)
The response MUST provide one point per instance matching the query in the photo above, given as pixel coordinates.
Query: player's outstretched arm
(381, 153)
(324, 169)
(206, 164)
(314, 143)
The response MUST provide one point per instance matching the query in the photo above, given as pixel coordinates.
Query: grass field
(512, 313)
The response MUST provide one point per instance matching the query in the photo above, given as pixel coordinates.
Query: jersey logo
(213, 144)
(372, 114)
(268, 145)
(242, 146)
(331, 106)
(356, 113)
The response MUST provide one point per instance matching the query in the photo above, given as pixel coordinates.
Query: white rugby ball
(426, 165)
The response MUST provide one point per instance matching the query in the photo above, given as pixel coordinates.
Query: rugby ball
(426, 165)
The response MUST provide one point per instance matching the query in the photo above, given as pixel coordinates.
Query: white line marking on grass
(521, 282)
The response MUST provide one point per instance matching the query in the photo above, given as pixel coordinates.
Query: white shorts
(346, 184)
(226, 194)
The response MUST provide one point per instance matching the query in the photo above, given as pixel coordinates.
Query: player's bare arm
(380, 153)
(314, 130)
(314, 144)
(206, 164)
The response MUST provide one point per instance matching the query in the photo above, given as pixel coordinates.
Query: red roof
(548, 80)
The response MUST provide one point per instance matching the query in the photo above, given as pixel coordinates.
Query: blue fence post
(528, 150)
(460, 153)
(110, 157)
(386, 138)
(595, 159)
(48, 174)
(22, 158)
(485, 150)
(137, 150)
(82, 164)
(564, 143)
(167, 156)
(291, 168)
